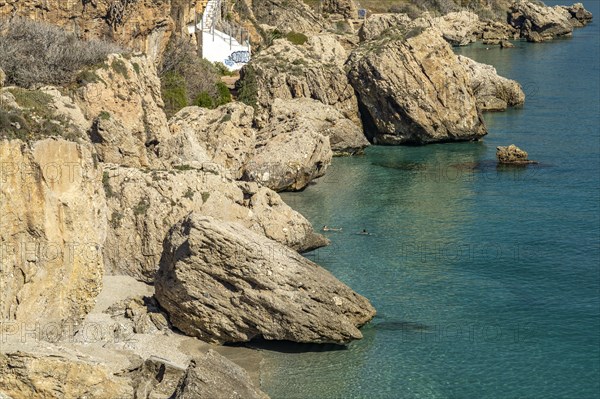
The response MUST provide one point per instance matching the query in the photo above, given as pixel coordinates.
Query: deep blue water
(486, 281)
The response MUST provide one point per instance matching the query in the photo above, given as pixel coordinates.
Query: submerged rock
(414, 91)
(512, 155)
(223, 283)
(493, 92)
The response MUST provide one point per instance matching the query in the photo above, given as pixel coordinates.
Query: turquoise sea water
(486, 282)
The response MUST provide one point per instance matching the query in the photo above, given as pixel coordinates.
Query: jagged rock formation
(226, 380)
(143, 205)
(512, 155)
(53, 229)
(74, 372)
(345, 137)
(222, 283)
(538, 22)
(287, 71)
(578, 15)
(122, 98)
(287, 16)
(413, 90)
(288, 156)
(493, 92)
(345, 8)
(224, 136)
(144, 25)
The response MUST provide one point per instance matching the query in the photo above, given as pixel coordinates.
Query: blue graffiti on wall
(238, 57)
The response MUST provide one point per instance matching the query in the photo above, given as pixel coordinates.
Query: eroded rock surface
(53, 228)
(538, 22)
(493, 92)
(413, 90)
(213, 376)
(512, 155)
(222, 283)
(143, 205)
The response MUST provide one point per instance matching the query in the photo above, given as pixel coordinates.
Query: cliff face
(144, 25)
(53, 215)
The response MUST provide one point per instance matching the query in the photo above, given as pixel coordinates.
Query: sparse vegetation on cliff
(187, 79)
(34, 54)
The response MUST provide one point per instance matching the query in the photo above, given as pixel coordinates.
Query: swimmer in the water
(327, 228)
(364, 233)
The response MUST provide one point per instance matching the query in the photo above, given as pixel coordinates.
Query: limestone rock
(512, 155)
(288, 156)
(345, 137)
(124, 98)
(213, 376)
(143, 25)
(287, 16)
(458, 28)
(223, 283)
(34, 376)
(143, 205)
(287, 71)
(2, 78)
(224, 136)
(347, 8)
(493, 92)
(53, 227)
(538, 22)
(578, 15)
(413, 90)
(377, 24)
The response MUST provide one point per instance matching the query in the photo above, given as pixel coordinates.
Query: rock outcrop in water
(538, 22)
(512, 155)
(222, 283)
(413, 90)
(493, 92)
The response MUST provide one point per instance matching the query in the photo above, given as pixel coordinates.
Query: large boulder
(345, 137)
(377, 24)
(512, 155)
(287, 71)
(493, 92)
(538, 22)
(53, 226)
(413, 90)
(144, 204)
(213, 376)
(122, 98)
(223, 283)
(458, 28)
(288, 156)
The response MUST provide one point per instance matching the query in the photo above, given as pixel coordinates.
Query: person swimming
(364, 232)
(327, 228)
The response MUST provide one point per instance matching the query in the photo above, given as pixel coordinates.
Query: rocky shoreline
(133, 244)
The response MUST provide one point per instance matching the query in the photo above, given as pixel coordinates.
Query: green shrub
(223, 94)
(223, 70)
(247, 86)
(204, 100)
(296, 38)
(119, 67)
(174, 93)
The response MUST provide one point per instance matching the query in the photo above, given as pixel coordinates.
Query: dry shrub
(34, 53)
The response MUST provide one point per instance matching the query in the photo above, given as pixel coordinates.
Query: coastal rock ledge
(223, 283)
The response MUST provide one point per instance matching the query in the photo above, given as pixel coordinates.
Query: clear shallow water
(486, 282)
